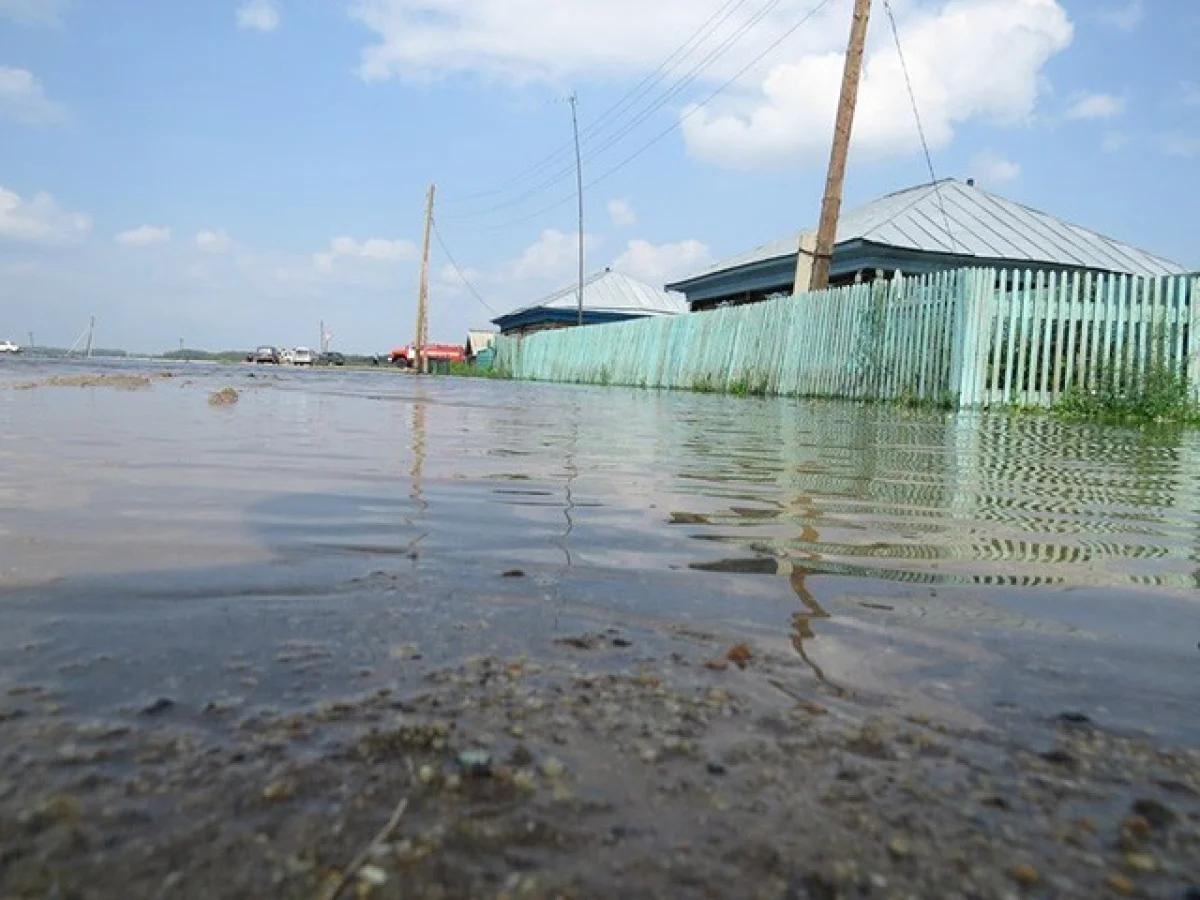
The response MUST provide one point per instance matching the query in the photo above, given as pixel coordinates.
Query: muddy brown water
(340, 534)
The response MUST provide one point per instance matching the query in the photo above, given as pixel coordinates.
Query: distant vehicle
(286, 357)
(302, 356)
(9, 347)
(266, 355)
(331, 358)
(405, 357)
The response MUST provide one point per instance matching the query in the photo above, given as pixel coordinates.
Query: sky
(228, 173)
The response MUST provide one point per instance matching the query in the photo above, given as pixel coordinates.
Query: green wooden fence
(972, 337)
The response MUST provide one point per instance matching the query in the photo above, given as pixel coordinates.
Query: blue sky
(231, 172)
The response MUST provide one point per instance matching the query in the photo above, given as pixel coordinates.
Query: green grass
(1159, 396)
(466, 370)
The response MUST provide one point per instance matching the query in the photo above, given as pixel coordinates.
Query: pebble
(1157, 815)
(715, 768)
(161, 705)
(1141, 862)
(278, 790)
(899, 848)
(1119, 884)
(523, 780)
(373, 875)
(477, 763)
(553, 768)
(1026, 875)
(426, 774)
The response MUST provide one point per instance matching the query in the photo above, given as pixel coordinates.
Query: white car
(302, 356)
(287, 357)
(9, 347)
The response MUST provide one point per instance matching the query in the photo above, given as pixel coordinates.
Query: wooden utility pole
(831, 205)
(579, 189)
(420, 363)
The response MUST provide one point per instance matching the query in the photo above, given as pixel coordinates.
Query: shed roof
(611, 292)
(479, 340)
(974, 223)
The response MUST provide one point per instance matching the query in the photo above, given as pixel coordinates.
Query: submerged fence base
(969, 337)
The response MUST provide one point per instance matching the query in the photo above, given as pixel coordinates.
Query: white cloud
(374, 249)
(658, 264)
(32, 12)
(989, 166)
(1176, 143)
(553, 256)
(1096, 106)
(1114, 141)
(621, 213)
(214, 241)
(23, 98)
(144, 236)
(519, 40)
(258, 15)
(39, 220)
(971, 59)
(1124, 16)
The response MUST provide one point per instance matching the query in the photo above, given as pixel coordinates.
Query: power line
(696, 71)
(462, 276)
(647, 83)
(912, 99)
(672, 127)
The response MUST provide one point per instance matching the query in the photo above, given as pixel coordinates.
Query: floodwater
(723, 647)
(910, 556)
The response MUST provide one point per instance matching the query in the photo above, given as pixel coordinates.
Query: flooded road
(211, 571)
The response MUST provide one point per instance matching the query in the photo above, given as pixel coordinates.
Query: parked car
(302, 356)
(9, 347)
(331, 358)
(266, 355)
(286, 357)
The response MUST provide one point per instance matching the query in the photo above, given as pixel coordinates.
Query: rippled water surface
(963, 560)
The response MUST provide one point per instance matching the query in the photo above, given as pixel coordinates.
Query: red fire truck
(405, 357)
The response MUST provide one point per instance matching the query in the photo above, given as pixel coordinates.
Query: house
(607, 297)
(944, 225)
(479, 347)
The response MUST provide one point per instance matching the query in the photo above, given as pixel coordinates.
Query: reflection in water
(966, 499)
(571, 471)
(416, 470)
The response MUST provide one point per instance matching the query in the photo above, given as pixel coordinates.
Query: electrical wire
(462, 276)
(674, 125)
(653, 78)
(912, 98)
(678, 87)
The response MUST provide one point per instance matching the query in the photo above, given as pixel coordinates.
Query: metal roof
(479, 340)
(610, 291)
(974, 223)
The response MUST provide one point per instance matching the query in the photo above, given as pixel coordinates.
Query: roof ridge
(919, 192)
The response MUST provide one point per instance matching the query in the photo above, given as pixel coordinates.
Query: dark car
(266, 355)
(330, 358)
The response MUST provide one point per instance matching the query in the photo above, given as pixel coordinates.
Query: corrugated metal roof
(976, 223)
(610, 291)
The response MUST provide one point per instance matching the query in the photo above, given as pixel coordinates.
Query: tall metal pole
(831, 205)
(91, 330)
(421, 364)
(579, 188)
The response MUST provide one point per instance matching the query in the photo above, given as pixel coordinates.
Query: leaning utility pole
(831, 205)
(420, 363)
(579, 187)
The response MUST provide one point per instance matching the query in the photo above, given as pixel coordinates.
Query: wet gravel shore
(598, 771)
